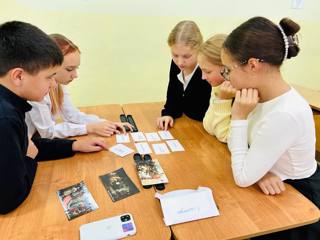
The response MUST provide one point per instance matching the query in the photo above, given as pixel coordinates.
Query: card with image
(76, 200)
(121, 150)
(175, 146)
(118, 185)
(165, 135)
(138, 137)
(152, 137)
(150, 172)
(143, 148)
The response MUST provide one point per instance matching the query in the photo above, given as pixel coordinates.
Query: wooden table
(245, 212)
(312, 96)
(41, 216)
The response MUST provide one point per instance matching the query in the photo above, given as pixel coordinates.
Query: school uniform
(41, 120)
(189, 95)
(17, 171)
(281, 136)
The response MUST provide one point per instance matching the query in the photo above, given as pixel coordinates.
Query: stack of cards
(76, 200)
(118, 185)
(150, 172)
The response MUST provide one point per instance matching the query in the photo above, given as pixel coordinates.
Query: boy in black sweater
(29, 60)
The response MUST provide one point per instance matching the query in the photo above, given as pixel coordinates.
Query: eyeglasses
(225, 71)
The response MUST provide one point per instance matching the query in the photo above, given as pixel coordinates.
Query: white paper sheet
(175, 146)
(122, 138)
(160, 148)
(121, 150)
(165, 135)
(138, 136)
(143, 148)
(152, 137)
(187, 205)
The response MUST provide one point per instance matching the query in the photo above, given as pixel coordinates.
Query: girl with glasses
(187, 93)
(272, 134)
(44, 116)
(218, 116)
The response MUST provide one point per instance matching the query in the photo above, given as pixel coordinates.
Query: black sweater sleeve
(17, 171)
(49, 149)
(173, 106)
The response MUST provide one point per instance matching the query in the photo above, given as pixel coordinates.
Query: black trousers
(310, 188)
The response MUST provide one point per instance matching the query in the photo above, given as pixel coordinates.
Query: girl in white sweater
(272, 135)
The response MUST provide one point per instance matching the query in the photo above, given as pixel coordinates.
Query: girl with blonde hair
(187, 93)
(217, 118)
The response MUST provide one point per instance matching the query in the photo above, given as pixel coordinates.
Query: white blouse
(42, 120)
(186, 79)
(281, 136)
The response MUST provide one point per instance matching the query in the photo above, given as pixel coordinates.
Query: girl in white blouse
(57, 104)
(272, 136)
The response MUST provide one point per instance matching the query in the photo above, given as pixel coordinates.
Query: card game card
(118, 185)
(150, 172)
(76, 200)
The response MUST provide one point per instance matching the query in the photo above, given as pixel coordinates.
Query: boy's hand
(89, 145)
(32, 150)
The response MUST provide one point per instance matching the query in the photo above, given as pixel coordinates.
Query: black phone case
(132, 122)
(124, 119)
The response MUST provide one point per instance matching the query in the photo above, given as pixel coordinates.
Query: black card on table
(118, 185)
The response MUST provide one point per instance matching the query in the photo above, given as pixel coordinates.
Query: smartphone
(109, 229)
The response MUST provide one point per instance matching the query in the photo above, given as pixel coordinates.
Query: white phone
(109, 229)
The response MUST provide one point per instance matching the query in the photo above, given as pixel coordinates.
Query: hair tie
(286, 42)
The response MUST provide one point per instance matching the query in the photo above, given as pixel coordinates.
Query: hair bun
(291, 28)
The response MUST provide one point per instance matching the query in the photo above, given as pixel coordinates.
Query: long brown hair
(66, 46)
(260, 38)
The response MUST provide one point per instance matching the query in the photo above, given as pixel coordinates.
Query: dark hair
(26, 46)
(260, 38)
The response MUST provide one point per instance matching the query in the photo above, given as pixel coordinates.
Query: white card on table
(143, 148)
(187, 205)
(165, 135)
(122, 138)
(175, 146)
(160, 148)
(152, 137)
(138, 137)
(121, 150)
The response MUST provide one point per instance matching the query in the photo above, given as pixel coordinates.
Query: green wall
(123, 42)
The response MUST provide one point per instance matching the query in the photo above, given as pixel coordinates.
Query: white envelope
(187, 205)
